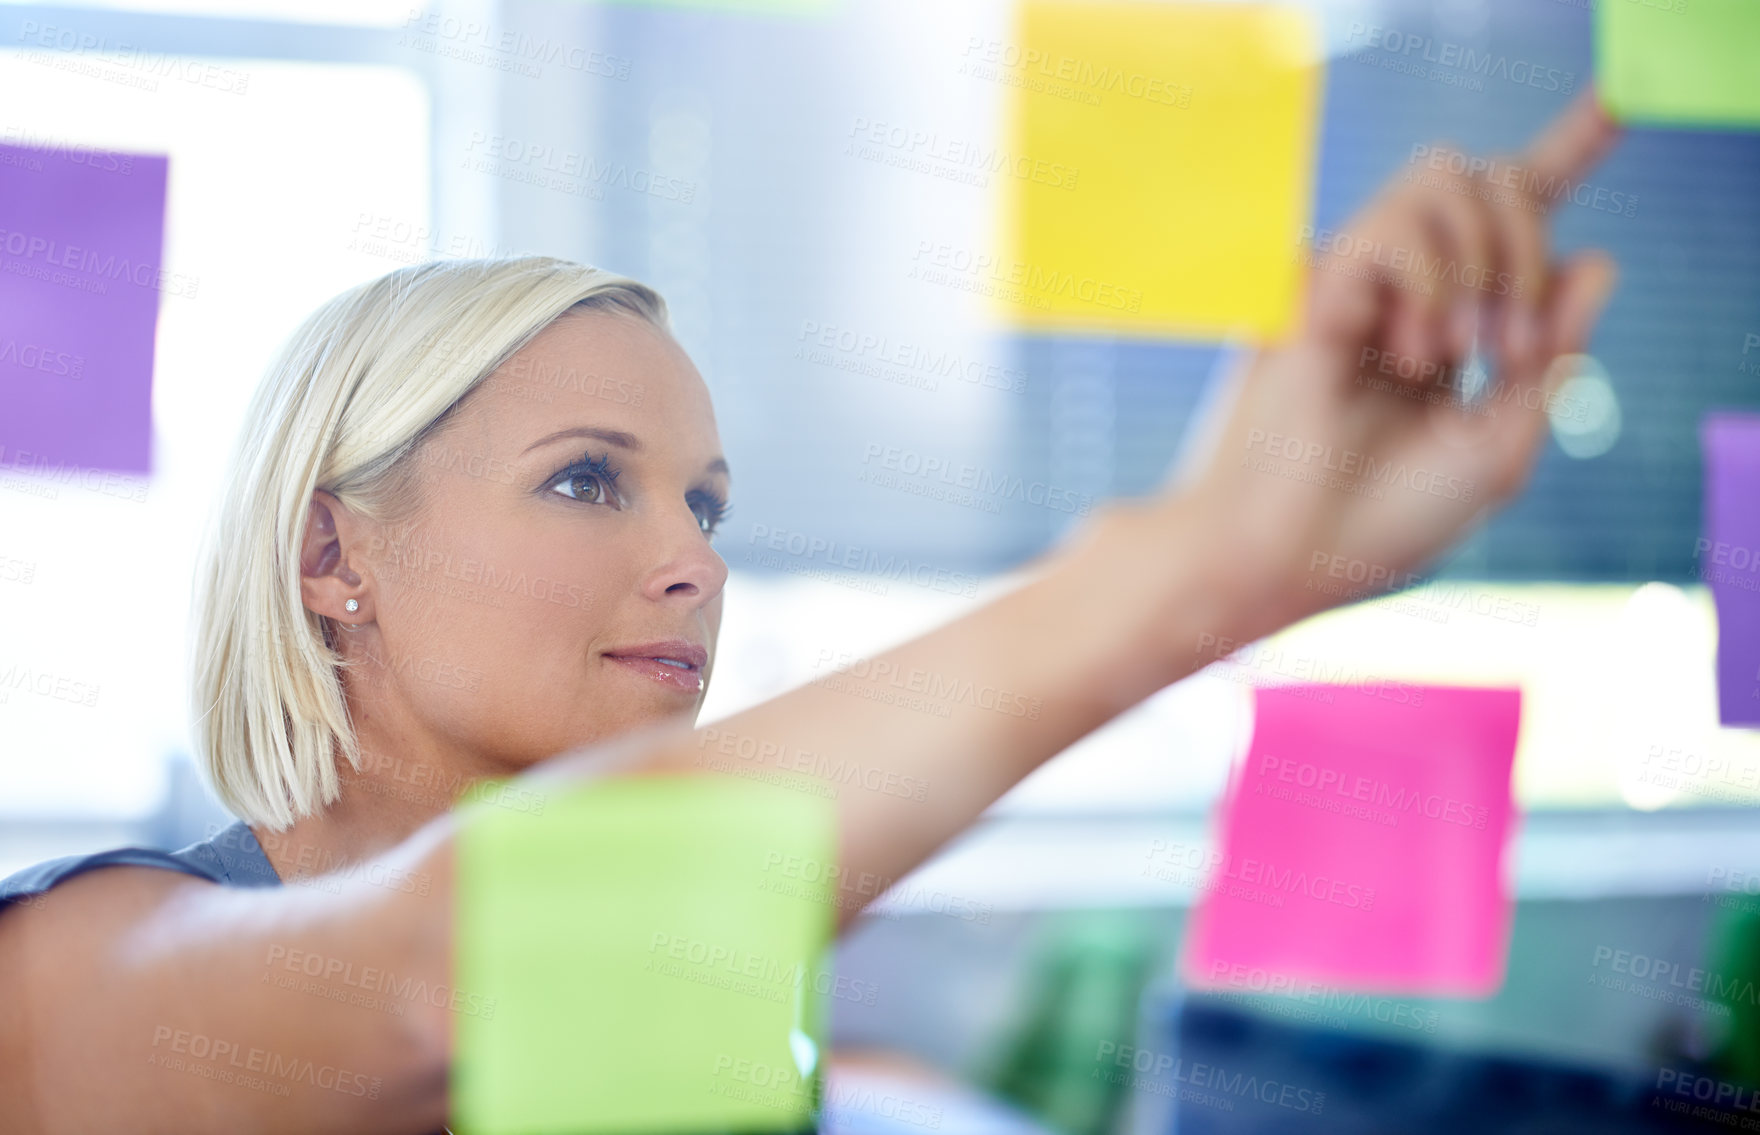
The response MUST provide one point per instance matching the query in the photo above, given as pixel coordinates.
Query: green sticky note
(1679, 62)
(644, 955)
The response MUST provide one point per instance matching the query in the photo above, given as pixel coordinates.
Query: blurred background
(714, 151)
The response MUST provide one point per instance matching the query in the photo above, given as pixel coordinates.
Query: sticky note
(81, 243)
(1362, 844)
(1158, 164)
(1679, 62)
(1728, 556)
(645, 955)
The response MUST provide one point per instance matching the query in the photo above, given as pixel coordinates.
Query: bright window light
(268, 190)
(361, 13)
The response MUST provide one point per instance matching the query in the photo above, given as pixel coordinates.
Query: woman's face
(560, 550)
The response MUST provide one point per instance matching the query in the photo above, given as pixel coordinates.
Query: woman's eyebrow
(610, 437)
(620, 439)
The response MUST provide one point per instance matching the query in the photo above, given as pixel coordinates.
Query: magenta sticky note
(1728, 558)
(1362, 844)
(81, 245)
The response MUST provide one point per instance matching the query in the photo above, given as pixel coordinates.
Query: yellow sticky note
(1161, 165)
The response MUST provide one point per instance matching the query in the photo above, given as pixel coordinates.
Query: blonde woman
(448, 553)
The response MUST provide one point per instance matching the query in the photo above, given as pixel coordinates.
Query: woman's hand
(1347, 459)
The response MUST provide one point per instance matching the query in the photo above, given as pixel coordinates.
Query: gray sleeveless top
(231, 857)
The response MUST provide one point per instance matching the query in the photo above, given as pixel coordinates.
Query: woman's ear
(327, 583)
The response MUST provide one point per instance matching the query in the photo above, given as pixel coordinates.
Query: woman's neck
(405, 779)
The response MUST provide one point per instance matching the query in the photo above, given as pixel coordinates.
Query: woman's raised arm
(142, 1000)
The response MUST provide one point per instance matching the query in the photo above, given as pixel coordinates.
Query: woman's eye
(710, 513)
(588, 488)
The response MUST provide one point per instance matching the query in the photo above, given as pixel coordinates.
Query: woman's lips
(676, 665)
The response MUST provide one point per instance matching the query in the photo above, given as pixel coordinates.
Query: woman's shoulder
(231, 857)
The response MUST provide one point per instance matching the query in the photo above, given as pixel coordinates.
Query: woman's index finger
(1574, 142)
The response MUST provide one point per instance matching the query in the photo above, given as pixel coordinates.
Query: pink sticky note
(80, 244)
(1362, 844)
(1728, 557)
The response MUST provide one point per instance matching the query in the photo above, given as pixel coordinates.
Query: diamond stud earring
(352, 606)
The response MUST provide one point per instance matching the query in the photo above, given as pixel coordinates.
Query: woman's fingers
(1461, 253)
(1518, 227)
(1569, 146)
(1567, 316)
(1462, 227)
(1578, 299)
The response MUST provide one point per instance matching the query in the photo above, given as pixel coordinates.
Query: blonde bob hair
(351, 396)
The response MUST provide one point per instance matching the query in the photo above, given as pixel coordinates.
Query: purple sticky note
(81, 236)
(1728, 558)
(1362, 844)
